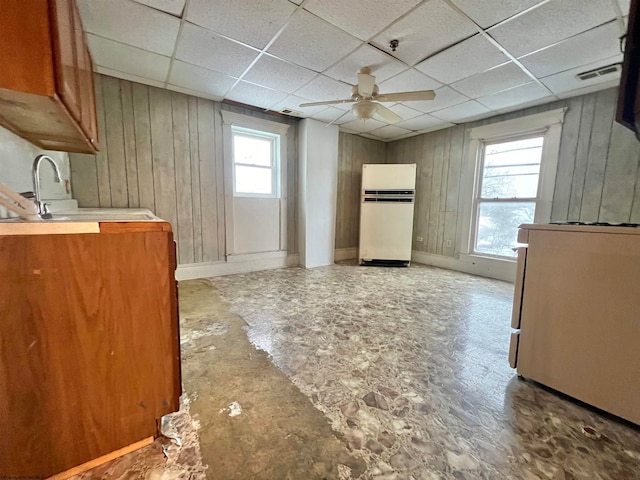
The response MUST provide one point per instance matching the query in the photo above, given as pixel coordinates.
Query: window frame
(477, 197)
(547, 124)
(274, 165)
(233, 119)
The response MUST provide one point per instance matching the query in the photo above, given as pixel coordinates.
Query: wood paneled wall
(162, 150)
(353, 152)
(597, 177)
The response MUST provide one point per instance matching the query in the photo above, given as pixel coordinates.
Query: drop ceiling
(482, 58)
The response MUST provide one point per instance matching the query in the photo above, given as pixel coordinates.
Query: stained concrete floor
(241, 417)
(371, 373)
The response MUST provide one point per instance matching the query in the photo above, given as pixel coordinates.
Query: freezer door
(385, 231)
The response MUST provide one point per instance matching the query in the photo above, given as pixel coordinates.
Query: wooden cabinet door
(65, 55)
(85, 79)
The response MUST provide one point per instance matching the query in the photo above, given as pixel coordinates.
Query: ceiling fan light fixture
(364, 110)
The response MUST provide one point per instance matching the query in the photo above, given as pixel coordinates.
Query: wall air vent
(292, 112)
(599, 72)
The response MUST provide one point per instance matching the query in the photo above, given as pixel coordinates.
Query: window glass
(511, 169)
(252, 150)
(255, 163)
(497, 226)
(253, 180)
(507, 194)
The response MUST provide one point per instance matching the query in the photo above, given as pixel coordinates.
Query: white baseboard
(345, 253)
(192, 271)
(484, 267)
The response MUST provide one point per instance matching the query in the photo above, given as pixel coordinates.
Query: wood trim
(103, 459)
(119, 227)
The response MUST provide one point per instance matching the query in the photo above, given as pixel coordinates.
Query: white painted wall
(16, 157)
(318, 181)
(256, 225)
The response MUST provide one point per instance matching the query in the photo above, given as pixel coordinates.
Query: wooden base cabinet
(577, 309)
(89, 344)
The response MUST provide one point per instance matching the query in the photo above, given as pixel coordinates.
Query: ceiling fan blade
(366, 84)
(406, 96)
(387, 115)
(328, 102)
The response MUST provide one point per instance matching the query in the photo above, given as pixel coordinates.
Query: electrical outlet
(447, 243)
(419, 239)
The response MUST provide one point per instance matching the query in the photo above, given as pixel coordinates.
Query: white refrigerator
(386, 214)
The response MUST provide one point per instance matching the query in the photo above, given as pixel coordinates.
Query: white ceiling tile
(445, 97)
(566, 81)
(199, 79)
(490, 12)
(405, 112)
(590, 89)
(311, 42)
(514, 96)
(382, 66)
(128, 76)
(174, 7)
(587, 47)
(523, 106)
(204, 48)
(324, 88)
(363, 125)
(420, 123)
(127, 59)
(255, 95)
(431, 27)
(293, 102)
(408, 81)
(464, 59)
(253, 22)
(346, 130)
(275, 73)
(549, 23)
(334, 115)
(389, 132)
(131, 23)
(494, 80)
(462, 112)
(363, 18)
(625, 6)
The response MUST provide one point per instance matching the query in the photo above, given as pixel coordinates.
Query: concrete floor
(347, 372)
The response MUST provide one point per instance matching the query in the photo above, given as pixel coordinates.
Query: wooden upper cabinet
(46, 83)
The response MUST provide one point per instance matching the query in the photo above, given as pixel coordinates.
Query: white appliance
(386, 214)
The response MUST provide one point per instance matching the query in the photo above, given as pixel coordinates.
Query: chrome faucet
(43, 210)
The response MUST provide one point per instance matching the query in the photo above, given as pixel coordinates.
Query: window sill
(476, 258)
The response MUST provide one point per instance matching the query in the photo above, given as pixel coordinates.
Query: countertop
(79, 220)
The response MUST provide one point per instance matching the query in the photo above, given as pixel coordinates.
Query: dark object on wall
(628, 113)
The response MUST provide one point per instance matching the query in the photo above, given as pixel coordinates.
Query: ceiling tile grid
(551, 22)
(364, 18)
(199, 79)
(131, 23)
(312, 43)
(281, 53)
(204, 48)
(499, 78)
(431, 27)
(585, 48)
(125, 58)
(467, 58)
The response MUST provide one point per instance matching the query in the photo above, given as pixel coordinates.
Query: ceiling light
(364, 109)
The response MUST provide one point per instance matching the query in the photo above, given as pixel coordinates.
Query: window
(255, 163)
(510, 178)
(507, 193)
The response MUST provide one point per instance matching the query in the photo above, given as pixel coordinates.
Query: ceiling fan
(366, 97)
